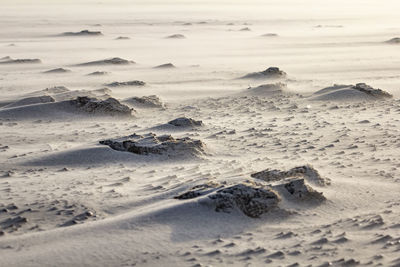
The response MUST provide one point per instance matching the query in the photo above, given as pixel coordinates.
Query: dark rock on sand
(110, 61)
(151, 101)
(83, 33)
(110, 106)
(98, 73)
(270, 73)
(185, 122)
(269, 35)
(153, 144)
(129, 83)
(165, 66)
(246, 29)
(306, 171)
(176, 36)
(377, 93)
(199, 190)
(58, 70)
(122, 38)
(250, 199)
(9, 60)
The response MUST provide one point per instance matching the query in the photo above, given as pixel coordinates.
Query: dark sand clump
(165, 66)
(185, 122)
(98, 73)
(9, 60)
(110, 61)
(270, 73)
(160, 145)
(246, 29)
(110, 106)
(58, 70)
(122, 38)
(128, 83)
(176, 36)
(151, 101)
(82, 33)
(253, 200)
(269, 35)
(307, 172)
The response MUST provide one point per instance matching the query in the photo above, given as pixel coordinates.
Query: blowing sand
(274, 142)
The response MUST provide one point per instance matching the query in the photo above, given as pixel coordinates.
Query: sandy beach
(199, 133)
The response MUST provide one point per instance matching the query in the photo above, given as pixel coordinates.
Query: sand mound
(270, 73)
(165, 66)
(110, 106)
(122, 38)
(129, 83)
(98, 73)
(58, 70)
(252, 200)
(395, 40)
(185, 122)
(269, 35)
(267, 89)
(82, 33)
(297, 190)
(153, 144)
(307, 172)
(176, 36)
(151, 101)
(360, 91)
(61, 93)
(31, 101)
(110, 61)
(246, 29)
(9, 60)
(67, 108)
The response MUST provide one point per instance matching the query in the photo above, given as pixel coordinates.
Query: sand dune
(82, 33)
(356, 92)
(269, 73)
(110, 61)
(8, 60)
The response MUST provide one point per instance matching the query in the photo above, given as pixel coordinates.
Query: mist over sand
(199, 133)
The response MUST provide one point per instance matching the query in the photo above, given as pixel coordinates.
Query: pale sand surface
(67, 200)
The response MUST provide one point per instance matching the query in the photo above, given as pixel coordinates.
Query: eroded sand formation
(82, 33)
(153, 144)
(110, 61)
(270, 73)
(360, 91)
(9, 60)
(128, 83)
(151, 101)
